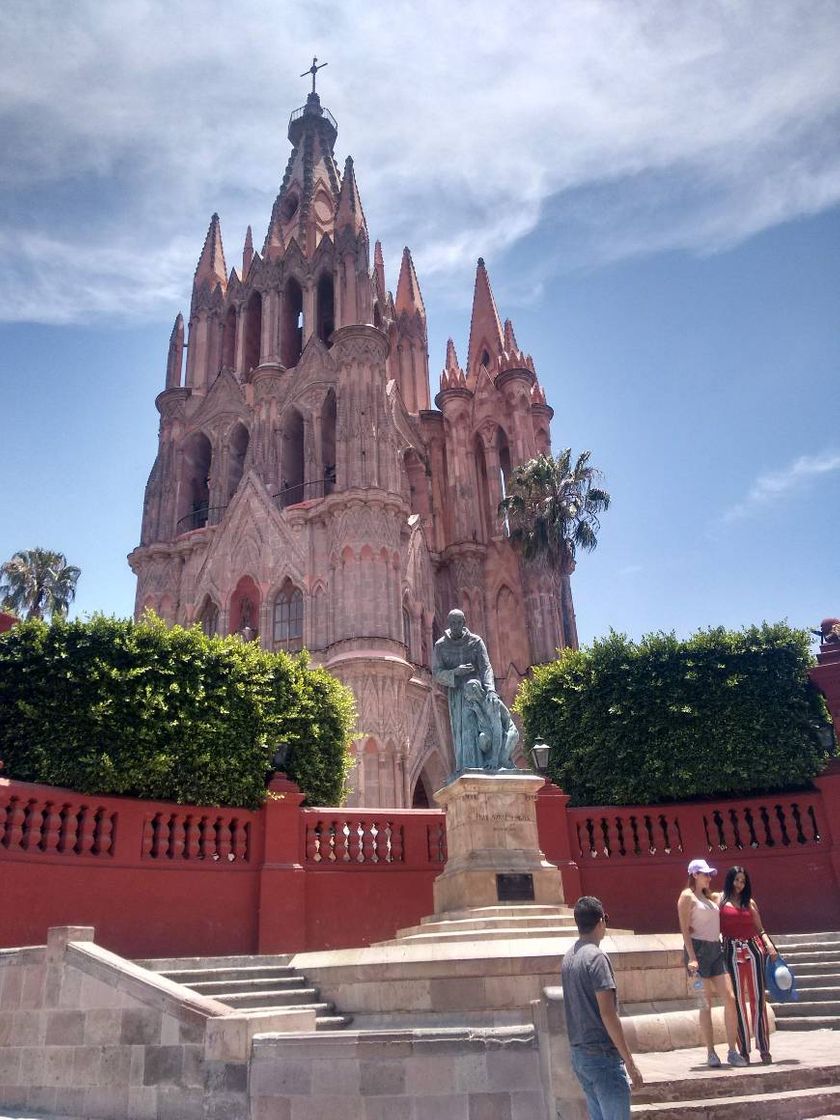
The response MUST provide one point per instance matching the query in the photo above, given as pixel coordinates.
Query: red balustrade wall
(159, 879)
(635, 859)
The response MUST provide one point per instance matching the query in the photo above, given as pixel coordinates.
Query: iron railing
(199, 518)
(293, 493)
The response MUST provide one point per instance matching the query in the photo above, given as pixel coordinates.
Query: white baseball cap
(700, 867)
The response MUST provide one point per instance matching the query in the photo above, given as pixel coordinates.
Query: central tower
(306, 494)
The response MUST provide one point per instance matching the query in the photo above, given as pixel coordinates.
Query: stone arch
(328, 428)
(325, 304)
(244, 608)
(287, 618)
(485, 520)
(166, 609)
(430, 777)
(253, 331)
(208, 617)
(416, 475)
(229, 340)
(237, 451)
(291, 328)
(543, 441)
(507, 629)
(194, 500)
(292, 459)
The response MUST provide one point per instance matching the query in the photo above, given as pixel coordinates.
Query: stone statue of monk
(460, 659)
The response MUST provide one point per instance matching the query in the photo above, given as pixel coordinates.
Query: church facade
(307, 493)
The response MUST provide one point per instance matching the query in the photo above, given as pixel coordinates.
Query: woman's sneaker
(713, 1061)
(733, 1058)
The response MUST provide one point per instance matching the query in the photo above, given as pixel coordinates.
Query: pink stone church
(306, 493)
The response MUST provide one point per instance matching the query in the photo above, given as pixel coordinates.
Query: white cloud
(131, 122)
(775, 486)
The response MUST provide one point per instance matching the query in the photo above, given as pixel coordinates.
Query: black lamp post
(539, 753)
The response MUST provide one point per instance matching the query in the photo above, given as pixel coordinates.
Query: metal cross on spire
(313, 70)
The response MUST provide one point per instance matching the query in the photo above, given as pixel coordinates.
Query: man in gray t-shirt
(601, 1058)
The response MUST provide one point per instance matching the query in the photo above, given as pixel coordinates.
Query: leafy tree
(725, 712)
(142, 709)
(552, 508)
(38, 583)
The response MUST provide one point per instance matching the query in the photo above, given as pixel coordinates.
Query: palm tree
(39, 583)
(552, 508)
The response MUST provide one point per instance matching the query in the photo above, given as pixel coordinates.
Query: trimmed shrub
(142, 709)
(723, 713)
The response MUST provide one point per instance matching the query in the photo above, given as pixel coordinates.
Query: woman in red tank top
(745, 948)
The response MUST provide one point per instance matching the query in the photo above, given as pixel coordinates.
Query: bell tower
(308, 496)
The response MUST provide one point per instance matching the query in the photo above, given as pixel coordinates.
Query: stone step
(813, 969)
(828, 955)
(806, 1007)
(253, 960)
(247, 983)
(505, 934)
(271, 997)
(819, 938)
(332, 1022)
(190, 977)
(480, 925)
(790, 1104)
(723, 1082)
(811, 994)
(276, 1002)
(807, 1022)
(519, 909)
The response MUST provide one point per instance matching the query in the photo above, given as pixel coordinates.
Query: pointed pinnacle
(211, 268)
(451, 356)
(349, 211)
(485, 327)
(379, 269)
(408, 299)
(247, 252)
(510, 338)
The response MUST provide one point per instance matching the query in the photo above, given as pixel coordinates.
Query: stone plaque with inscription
(515, 887)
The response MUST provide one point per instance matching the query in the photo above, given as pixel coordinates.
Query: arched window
(229, 340)
(485, 358)
(244, 610)
(484, 515)
(420, 798)
(406, 618)
(418, 491)
(291, 336)
(253, 332)
(288, 619)
(377, 316)
(328, 415)
(194, 500)
(504, 471)
(236, 462)
(291, 460)
(326, 307)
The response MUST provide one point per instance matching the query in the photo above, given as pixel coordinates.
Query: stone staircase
(491, 923)
(796, 1087)
(253, 983)
(815, 959)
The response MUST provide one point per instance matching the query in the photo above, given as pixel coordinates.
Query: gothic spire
(379, 270)
(305, 207)
(211, 268)
(485, 327)
(349, 211)
(247, 252)
(510, 345)
(408, 300)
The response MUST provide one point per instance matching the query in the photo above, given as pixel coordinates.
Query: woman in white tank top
(700, 927)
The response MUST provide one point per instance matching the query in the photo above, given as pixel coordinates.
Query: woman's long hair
(729, 887)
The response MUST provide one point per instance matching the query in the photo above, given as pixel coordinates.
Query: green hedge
(112, 706)
(660, 720)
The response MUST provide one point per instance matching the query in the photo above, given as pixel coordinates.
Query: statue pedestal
(493, 853)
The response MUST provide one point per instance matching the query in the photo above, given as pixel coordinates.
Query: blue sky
(655, 188)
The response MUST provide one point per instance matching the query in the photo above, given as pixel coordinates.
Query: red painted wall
(159, 879)
(7, 621)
